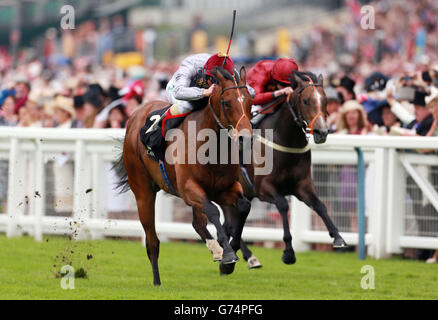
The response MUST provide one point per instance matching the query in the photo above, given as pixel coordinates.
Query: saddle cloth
(152, 136)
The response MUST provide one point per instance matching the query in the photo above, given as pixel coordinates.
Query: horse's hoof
(225, 269)
(288, 257)
(254, 263)
(215, 249)
(339, 243)
(229, 257)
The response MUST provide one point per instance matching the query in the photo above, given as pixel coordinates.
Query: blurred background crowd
(378, 80)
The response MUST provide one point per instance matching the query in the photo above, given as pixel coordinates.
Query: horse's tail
(122, 184)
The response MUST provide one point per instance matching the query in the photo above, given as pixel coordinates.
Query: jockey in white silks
(194, 81)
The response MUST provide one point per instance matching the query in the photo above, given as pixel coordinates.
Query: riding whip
(231, 37)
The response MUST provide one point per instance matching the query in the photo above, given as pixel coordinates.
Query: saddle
(153, 137)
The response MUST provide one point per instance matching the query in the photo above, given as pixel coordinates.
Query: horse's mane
(224, 72)
(303, 75)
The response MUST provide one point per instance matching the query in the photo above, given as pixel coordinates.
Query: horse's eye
(227, 105)
(305, 101)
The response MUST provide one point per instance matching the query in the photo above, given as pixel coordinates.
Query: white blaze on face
(241, 98)
(319, 102)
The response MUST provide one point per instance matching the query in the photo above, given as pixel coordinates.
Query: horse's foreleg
(200, 225)
(230, 214)
(270, 194)
(307, 193)
(196, 197)
(235, 198)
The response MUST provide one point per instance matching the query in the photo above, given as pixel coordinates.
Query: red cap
(283, 68)
(217, 60)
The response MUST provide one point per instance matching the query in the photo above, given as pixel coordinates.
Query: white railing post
(396, 208)
(15, 189)
(301, 221)
(98, 210)
(377, 224)
(81, 210)
(39, 193)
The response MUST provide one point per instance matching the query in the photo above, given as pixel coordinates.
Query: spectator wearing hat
(389, 119)
(117, 117)
(374, 98)
(423, 117)
(63, 112)
(346, 89)
(78, 104)
(432, 106)
(94, 101)
(136, 91)
(333, 106)
(352, 119)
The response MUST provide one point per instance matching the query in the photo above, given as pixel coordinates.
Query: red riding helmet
(283, 68)
(217, 60)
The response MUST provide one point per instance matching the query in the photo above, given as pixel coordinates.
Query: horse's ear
(296, 81)
(220, 76)
(242, 74)
(320, 80)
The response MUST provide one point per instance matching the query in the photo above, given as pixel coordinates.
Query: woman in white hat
(352, 119)
(63, 112)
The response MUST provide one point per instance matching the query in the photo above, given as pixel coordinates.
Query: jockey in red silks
(193, 81)
(270, 79)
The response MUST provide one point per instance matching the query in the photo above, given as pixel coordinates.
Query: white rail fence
(401, 192)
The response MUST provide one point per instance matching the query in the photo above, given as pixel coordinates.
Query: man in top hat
(423, 116)
(346, 89)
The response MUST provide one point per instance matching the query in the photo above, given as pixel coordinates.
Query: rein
(299, 121)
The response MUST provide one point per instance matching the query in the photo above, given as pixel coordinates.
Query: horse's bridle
(299, 120)
(228, 126)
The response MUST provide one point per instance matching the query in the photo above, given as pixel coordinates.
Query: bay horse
(303, 110)
(198, 185)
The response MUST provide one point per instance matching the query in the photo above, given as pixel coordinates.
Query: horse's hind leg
(230, 221)
(140, 183)
(307, 193)
(200, 225)
(146, 210)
